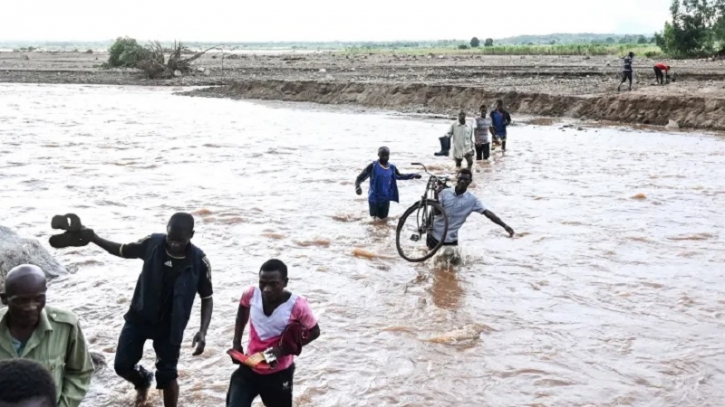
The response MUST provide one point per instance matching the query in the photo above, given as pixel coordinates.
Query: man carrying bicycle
(458, 204)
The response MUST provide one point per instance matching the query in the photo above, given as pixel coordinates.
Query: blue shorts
(501, 136)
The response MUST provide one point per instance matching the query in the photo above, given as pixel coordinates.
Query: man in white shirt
(461, 135)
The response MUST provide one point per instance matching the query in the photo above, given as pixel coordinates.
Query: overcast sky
(321, 20)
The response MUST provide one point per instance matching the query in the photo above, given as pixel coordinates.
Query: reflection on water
(611, 294)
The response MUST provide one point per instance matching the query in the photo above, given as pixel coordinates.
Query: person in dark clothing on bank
(383, 185)
(627, 71)
(174, 271)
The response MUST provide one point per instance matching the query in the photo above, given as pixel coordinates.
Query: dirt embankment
(636, 108)
(573, 86)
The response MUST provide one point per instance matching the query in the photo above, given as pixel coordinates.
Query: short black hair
(383, 148)
(24, 379)
(182, 220)
(274, 265)
(465, 171)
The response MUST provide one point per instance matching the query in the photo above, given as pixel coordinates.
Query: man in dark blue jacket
(174, 271)
(383, 185)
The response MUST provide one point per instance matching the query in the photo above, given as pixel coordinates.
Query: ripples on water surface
(611, 295)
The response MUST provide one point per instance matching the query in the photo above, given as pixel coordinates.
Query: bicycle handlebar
(444, 179)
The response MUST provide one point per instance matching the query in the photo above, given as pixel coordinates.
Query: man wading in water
(174, 271)
(383, 185)
(500, 120)
(280, 324)
(461, 135)
(458, 204)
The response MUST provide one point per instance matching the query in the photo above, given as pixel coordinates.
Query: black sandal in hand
(75, 235)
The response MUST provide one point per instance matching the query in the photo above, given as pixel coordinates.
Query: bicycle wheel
(414, 227)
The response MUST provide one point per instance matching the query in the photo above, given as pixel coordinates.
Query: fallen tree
(151, 59)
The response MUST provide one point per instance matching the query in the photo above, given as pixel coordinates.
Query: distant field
(648, 51)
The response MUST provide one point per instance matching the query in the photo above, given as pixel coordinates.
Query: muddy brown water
(610, 295)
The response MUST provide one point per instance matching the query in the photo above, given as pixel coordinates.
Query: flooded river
(611, 294)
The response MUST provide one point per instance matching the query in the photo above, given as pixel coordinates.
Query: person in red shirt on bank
(661, 77)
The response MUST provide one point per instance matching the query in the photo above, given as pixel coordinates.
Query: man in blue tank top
(383, 185)
(500, 120)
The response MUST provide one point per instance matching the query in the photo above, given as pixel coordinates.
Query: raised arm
(136, 250)
(495, 219)
(111, 247)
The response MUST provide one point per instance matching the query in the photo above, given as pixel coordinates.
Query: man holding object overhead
(174, 271)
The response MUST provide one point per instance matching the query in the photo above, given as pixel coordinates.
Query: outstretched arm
(362, 177)
(111, 247)
(495, 219)
(400, 176)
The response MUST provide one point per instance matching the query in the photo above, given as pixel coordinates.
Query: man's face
(272, 285)
(177, 239)
(384, 156)
(464, 180)
(499, 105)
(462, 118)
(25, 301)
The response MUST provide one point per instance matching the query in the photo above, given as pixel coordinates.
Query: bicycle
(416, 229)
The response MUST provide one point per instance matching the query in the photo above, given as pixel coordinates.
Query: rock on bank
(15, 250)
(689, 111)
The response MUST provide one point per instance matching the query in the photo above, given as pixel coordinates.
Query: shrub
(475, 42)
(125, 52)
(488, 42)
(462, 46)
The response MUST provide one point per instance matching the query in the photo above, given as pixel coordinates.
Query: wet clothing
(469, 160)
(383, 185)
(160, 308)
(482, 131)
(457, 208)
(461, 139)
(483, 151)
(275, 389)
(58, 344)
(499, 121)
(167, 287)
(432, 242)
(130, 350)
(379, 210)
(266, 330)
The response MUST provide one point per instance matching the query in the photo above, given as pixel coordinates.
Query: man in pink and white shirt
(280, 324)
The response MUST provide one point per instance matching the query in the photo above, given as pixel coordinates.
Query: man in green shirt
(49, 336)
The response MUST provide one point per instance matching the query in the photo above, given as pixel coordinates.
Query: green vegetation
(126, 53)
(475, 42)
(697, 28)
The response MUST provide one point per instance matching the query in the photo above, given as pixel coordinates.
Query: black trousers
(130, 350)
(483, 151)
(275, 389)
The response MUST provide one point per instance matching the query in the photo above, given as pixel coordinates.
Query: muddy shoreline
(556, 86)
